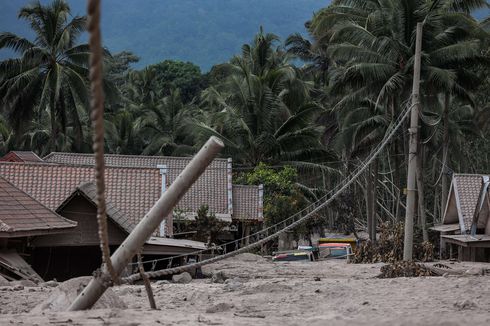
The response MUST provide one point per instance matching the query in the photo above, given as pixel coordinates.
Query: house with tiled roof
(466, 219)
(214, 188)
(65, 184)
(21, 156)
(69, 190)
(23, 218)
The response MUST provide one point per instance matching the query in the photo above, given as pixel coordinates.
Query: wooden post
(412, 155)
(145, 228)
(147, 283)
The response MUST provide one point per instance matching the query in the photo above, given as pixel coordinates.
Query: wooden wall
(80, 210)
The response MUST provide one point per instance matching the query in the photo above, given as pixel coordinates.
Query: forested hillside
(203, 32)
(304, 128)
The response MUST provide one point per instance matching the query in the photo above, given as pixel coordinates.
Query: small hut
(466, 220)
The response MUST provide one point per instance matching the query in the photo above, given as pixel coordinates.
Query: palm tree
(50, 75)
(263, 110)
(371, 44)
(313, 55)
(165, 127)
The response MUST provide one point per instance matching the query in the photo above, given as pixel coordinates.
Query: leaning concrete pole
(412, 155)
(149, 224)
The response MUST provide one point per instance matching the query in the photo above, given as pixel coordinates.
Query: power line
(298, 218)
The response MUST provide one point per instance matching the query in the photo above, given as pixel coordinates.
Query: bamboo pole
(145, 228)
(412, 154)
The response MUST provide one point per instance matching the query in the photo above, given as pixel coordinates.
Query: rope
(97, 109)
(310, 211)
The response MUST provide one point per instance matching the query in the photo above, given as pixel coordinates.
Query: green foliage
(355, 80)
(119, 66)
(262, 108)
(185, 76)
(49, 78)
(208, 227)
(281, 195)
(281, 181)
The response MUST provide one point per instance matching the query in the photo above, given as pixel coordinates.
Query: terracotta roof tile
(21, 156)
(132, 190)
(210, 188)
(247, 203)
(468, 190)
(19, 212)
(89, 191)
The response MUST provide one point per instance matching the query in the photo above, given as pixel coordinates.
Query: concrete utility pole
(412, 155)
(137, 238)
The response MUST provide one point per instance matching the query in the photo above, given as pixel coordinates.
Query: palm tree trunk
(397, 167)
(374, 197)
(54, 127)
(397, 182)
(369, 191)
(371, 180)
(445, 153)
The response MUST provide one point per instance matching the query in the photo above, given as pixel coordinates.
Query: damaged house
(67, 190)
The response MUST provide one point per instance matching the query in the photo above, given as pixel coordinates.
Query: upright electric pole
(412, 155)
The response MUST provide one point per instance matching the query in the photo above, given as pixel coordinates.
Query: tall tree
(49, 77)
(262, 108)
(371, 45)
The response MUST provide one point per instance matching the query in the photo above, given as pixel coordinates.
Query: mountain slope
(205, 32)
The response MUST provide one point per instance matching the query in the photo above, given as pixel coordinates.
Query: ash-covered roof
(247, 203)
(21, 156)
(462, 202)
(210, 189)
(22, 215)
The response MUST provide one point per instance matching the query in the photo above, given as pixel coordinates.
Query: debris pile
(389, 247)
(406, 269)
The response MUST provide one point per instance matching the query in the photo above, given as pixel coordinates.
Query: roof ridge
(88, 166)
(470, 174)
(32, 152)
(250, 186)
(127, 155)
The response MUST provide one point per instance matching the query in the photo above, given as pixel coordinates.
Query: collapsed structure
(64, 184)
